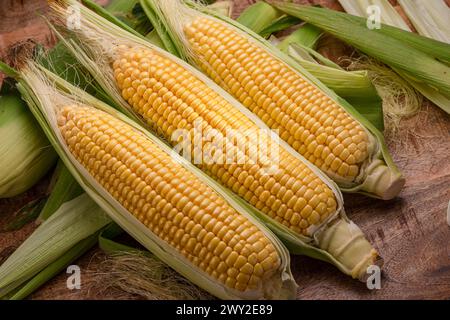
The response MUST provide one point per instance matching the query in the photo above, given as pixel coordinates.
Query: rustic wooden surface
(410, 232)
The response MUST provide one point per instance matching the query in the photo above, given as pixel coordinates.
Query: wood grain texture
(410, 232)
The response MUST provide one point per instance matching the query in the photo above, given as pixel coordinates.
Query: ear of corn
(25, 154)
(165, 94)
(318, 124)
(170, 207)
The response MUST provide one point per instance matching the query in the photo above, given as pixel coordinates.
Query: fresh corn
(171, 209)
(172, 98)
(25, 154)
(169, 199)
(164, 93)
(310, 120)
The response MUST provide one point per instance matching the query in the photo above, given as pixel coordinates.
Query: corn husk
(388, 14)
(65, 189)
(97, 37)
(224, 8)
(25, 153)
(259, 16)
(75, 221)
(417, 59)
(128, 12)
(430, 18)
(55, 267)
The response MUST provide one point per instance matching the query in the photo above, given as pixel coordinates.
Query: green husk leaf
(119, 7)
(130, 13)
(434, 48)
(160, 29)
(65, 189)
(371, 110)
(108, 16)
(153, 37)
(344, 83)
(7, 70)
(24, 215)
(55, 267)
(403, 54)
(279, 25)
(224, 7)
(307, 35)
(441, 100)
(259, 16)
(265, 19)
(74, 221)
(314, 55)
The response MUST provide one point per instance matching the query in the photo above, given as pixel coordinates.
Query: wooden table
(410, 232)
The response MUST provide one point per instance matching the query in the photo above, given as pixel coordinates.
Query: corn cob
(175, 207)
(169, 199)
(306, 117)
(168, 97)
(25, 154)
(164, 93)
